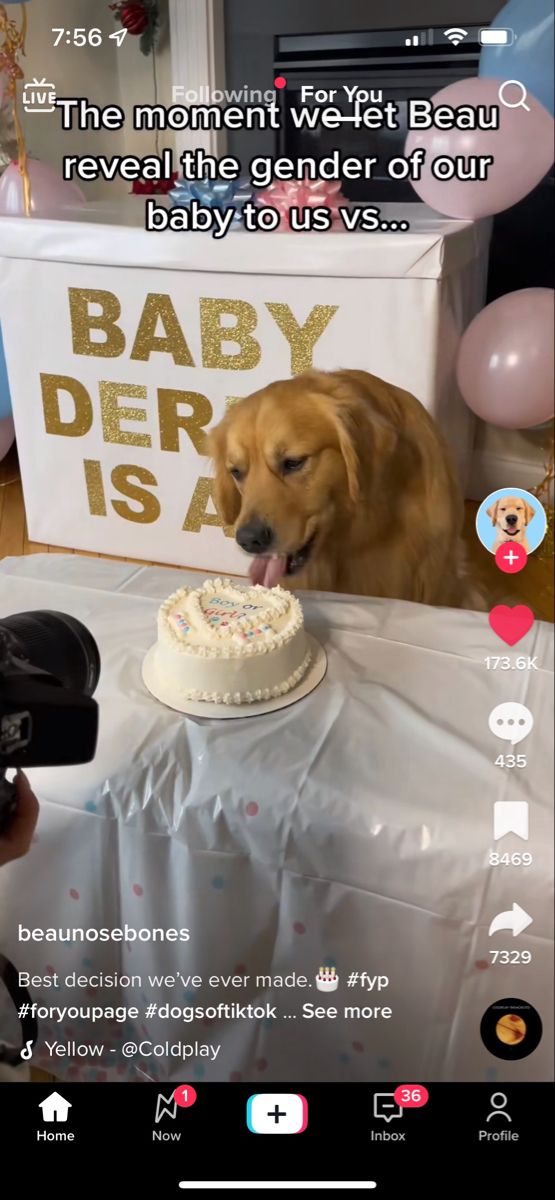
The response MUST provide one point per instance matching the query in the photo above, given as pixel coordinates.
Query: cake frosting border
(226, 650)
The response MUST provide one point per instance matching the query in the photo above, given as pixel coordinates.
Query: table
(352, 829)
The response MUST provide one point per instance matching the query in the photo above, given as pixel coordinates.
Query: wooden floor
(533, 586)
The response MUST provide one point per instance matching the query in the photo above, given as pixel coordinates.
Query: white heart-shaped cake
(232, 644)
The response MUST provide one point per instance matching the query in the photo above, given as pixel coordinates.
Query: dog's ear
(226, 495)
(345, 430)
(530, 512)
(364, 423)
(492, 512)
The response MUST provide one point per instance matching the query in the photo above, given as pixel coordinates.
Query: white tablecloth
(351, 829)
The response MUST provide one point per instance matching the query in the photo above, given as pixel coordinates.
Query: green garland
(148, 38)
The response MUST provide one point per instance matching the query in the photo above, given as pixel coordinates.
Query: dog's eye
(236, 473)
(289, 465)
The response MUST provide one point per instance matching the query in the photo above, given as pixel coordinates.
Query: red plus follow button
(411, 1095)
(511, 557)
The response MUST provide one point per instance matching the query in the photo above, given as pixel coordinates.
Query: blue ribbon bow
(214, 193)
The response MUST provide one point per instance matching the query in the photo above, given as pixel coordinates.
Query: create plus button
(277, 1112)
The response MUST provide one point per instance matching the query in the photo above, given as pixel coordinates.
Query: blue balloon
(5, 402)
(530, 57)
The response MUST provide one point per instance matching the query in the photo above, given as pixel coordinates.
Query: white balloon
(49, 193)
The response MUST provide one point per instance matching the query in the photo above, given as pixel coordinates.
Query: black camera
(49, 669)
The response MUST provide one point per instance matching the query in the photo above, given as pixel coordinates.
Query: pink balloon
(7, 434)
(522, 149)
(505, 364)
(49, 193)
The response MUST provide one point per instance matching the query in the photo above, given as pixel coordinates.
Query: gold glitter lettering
(158, 307)
(113, 415)
(214, 334)
(121, 480)
(83, 321)
(302, 338)
(197, 514)
(51, 386)
(194, 423)
(95, 487)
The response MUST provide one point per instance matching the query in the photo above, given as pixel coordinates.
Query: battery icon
(496, 37)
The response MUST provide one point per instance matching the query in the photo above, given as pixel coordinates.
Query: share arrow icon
(515, 919)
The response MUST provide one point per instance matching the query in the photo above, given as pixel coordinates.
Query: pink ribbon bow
(303, 193)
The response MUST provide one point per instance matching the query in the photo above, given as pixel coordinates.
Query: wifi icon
(455, 35)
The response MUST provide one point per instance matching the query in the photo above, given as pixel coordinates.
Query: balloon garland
(12, 44)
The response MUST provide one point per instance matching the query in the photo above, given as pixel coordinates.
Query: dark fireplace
(395, 64)
(402, 64)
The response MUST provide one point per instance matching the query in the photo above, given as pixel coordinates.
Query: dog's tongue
(268, 571)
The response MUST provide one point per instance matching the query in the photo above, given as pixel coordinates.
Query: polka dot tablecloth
(352, 830)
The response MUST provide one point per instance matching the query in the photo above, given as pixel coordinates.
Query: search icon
(523, 94)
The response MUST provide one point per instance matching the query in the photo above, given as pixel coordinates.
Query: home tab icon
(55, 1107)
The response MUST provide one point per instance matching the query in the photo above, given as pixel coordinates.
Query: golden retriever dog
(341, 482)
(511, 515)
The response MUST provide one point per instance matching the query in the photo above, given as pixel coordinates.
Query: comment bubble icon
(511, 721)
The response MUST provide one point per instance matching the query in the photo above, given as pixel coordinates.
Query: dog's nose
(255, 537)
(511, 520)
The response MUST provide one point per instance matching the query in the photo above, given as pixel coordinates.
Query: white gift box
(123, 346)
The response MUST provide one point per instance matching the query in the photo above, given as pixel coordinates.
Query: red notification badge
(185, 1095)
(411, 1095)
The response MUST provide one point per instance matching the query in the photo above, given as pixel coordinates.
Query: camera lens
(57, 643)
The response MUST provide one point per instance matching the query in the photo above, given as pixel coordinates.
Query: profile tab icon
(498, 1102)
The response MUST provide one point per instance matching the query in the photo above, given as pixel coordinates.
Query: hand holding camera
(49, 669)
(16, 838)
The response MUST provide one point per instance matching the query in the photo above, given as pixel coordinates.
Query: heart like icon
(511, 624)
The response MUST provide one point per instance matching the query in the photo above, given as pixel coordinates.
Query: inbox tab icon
(386, 1107)
(510, 816)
